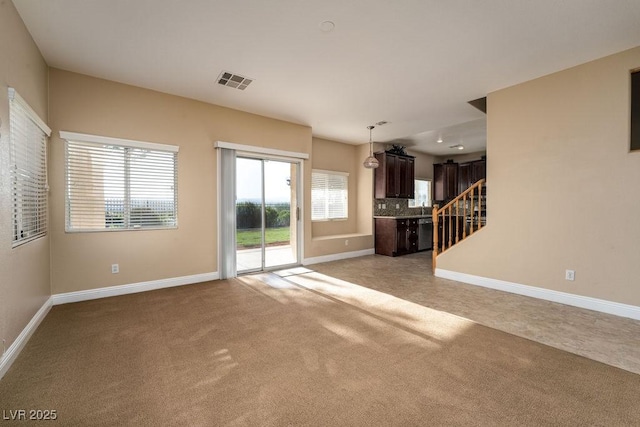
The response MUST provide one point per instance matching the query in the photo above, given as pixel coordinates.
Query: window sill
(329, 220)
(342, 236)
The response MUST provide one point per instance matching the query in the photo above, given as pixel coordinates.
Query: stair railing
(460, 218)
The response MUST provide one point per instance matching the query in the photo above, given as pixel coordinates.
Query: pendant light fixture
(371, 162)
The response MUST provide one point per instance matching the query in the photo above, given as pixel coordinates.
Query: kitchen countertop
(401, 216)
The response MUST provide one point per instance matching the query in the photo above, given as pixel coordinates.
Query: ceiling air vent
(234, 80)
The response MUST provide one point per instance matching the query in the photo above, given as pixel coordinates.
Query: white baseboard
(14, 349)
(132, 288)
(604, 306)
(337, 257)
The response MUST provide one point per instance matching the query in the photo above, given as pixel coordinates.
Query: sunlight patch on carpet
(432, 325)
(292, 271)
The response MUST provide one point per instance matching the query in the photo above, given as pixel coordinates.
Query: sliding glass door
(266, 214)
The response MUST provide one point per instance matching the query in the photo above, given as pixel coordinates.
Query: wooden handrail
(452, 210)
(459, 196)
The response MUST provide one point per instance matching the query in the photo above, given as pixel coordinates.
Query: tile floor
(606, 338)
(251, 259)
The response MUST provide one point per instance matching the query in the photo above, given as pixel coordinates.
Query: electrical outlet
(384, 206)
(346, 242)
(379, 206)
(397, 205)
(570, 275)
(115, 268)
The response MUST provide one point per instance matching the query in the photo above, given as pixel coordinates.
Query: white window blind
(115, 184)
(329, 195)
(28, 158)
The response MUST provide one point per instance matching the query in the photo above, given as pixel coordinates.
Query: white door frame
(266, 154)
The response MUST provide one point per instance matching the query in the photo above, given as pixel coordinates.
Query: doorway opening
(267, 214)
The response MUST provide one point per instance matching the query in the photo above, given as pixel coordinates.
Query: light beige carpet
(301, 350)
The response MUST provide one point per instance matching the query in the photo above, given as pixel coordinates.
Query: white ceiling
(413, 63)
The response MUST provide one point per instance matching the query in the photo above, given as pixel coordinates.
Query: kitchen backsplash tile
(402, 209)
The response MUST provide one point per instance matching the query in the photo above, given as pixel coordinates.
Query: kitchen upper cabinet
(445, 181)
(465, 171)
(451, 179)
(471, 172)
(394, 178)
(479, 170)
(406, 173)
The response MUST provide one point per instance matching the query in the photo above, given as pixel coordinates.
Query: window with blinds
(114, 184)
(329, 195)
(28, 159)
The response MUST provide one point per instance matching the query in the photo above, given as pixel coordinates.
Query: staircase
(459, 218)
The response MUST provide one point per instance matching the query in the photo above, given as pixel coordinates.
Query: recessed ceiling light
(382, 122)
(458, 146)
(439, 141)
(327, 26)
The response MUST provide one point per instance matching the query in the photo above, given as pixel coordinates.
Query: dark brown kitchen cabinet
(471, 172)
(451, 179)
(479, 170)
(396, 236)
(445, 181)
(394, 178)
(465, 172)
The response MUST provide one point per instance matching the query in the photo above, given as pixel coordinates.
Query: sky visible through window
(249, 181)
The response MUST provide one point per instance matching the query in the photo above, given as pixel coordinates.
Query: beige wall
(24, 271)
(423, 164)
(365, 197)
(338, 157)
(355, 233)
(84, 104)
(461, 158)
(563, 188)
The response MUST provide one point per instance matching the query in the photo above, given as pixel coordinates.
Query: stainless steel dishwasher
(425, 234)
